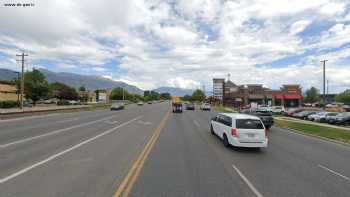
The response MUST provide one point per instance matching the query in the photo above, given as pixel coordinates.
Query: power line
(22, 76)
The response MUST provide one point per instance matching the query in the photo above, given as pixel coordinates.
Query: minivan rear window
(249, 124)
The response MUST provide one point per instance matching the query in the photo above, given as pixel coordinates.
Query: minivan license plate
(251, 135)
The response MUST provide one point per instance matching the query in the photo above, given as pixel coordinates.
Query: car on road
(205, 106)
(190, 106)
(265, 116)
(239, 130)
(149, 102)
(117, 106)
(140, 103)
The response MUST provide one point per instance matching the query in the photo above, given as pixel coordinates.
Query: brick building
(8, 91)
(239, 95)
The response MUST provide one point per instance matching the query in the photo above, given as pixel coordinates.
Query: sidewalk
(311, 123)
(40, 109)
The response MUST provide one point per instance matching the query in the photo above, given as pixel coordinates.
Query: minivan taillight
(234, 132)
(265, 132)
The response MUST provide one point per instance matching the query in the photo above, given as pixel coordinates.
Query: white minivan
(239, 130)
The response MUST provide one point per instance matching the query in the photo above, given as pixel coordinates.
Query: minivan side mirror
(213, 118)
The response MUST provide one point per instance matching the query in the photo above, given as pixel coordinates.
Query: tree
(63, 91)
(186, 98)
(117, 94)
(35, 86)
(82, 88)
(165, 96)
(343, 97)
(198, 95)
(312, 95)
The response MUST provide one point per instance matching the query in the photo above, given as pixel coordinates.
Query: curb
(316, 136)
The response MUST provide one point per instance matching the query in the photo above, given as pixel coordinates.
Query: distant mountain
(174, 91)
(7, 75)
(75, 80)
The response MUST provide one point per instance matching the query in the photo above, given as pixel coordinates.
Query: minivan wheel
(225, 141)
(212, 130)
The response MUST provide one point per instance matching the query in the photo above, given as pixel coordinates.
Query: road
(101, 153)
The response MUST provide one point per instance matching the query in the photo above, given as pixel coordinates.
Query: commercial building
(240, 95)
(8, 91)
(218, 89)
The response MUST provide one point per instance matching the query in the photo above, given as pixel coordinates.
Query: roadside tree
(343, 97)
(312, 95)
(35, 86)
(198, 95)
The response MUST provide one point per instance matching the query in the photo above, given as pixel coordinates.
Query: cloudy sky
(183, 43)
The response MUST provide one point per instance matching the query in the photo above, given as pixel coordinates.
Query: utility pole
(327, 87)
(123, 95)
(324, 83)
(22, 77)
(17, 86)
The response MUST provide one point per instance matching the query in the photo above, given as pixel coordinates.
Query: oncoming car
(239, 130)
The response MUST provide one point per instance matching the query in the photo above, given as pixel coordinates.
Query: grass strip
(322, 131)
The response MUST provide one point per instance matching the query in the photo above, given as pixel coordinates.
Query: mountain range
(92, 82)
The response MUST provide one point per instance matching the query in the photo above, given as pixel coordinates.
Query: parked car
(239, 130)
(265, 116)
(346, 108)
(304, 114)
(190, 106)
(322, 117)
(117, 106)
(149, 102)
(313, 116)
(278, 109)
(205, 106)
(73, 102)
(329, 116)
(265, 107)
(343, 119)
(292, 111)
(140, 103)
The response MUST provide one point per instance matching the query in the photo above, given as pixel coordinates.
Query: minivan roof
(240, 116)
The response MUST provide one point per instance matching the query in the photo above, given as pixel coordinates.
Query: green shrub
(8, 104)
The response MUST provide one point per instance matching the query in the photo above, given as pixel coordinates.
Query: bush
(8, 104)
(63, 102)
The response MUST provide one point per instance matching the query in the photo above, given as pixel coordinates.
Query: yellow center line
(135, 170)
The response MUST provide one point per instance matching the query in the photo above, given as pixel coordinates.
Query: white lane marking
(196, 123)
(28, 117)
(144, 123)
(334, 172)
(111, 122)
(250, 185)
(52, 133)
(69, 120)
(24, 170)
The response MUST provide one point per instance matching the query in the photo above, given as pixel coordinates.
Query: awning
(278, 96)
(292, 96)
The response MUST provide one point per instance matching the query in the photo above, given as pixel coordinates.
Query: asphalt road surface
(147, 151)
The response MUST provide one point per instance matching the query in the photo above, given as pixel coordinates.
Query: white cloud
(299, 26)
(66, 66)
(183, 83)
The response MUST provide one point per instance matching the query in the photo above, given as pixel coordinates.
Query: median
(222, 109)
(334, 134)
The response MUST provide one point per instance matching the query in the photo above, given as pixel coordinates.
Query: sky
(182, 43)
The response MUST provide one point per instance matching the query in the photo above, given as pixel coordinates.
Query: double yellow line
(134, 172)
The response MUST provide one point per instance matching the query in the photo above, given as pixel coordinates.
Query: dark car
(190, 106)
(264, 115)
(342, 119)
(304, 114)
(117, 106)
